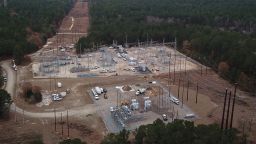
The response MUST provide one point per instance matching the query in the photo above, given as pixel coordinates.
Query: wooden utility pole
(162, 96)
(175, 48)
(67, 124)
(230, 93)
(187, 89)
(180, 67)
(233, 107)
(15, 113)
(50, 84)
(61, 122)
(173, 113)
(169, 86)
(55, 120)
(186, 65)
(201, 70)
(174, 69)
(196, 91)
(159, 99)
(179, 89)
(183, 94)
(224, 108)
(23, 118)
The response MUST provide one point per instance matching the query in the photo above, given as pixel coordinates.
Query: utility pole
(179, 89)
(159, 99)
(173, 113)
(180, 66)
(187, 89)
(67, 124)
(23, 119)
(15, 114)
(162, 96)
(228, 110)
(175, 48)
(196, 91)
(61, 124)
(224, 108)
(201, 70)
(55, 121)
(169, 81)
(233, 106)
(186, 65)
(183, 94)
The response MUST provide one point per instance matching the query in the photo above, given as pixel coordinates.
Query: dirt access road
(84, 125)
(10, 88)
(77, 21)
(73, 26)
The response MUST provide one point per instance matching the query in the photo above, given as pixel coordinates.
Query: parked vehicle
(96, 96)
(152, 82)
(175, 100)
(63, 94)
(189, 116)
(56, 97)
(59, 84)
(112, 109)
(140, 91)
(98, 90)
(164, 116)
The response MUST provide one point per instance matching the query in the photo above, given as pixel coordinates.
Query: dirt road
(10, 88)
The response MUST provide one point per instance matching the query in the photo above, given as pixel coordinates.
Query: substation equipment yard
(130, 106)
(127, 106)
(108, 61)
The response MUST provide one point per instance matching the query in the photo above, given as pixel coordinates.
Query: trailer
(59, 84)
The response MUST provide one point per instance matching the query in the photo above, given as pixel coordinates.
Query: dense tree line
(25, 25)
(5, 102)
(177, 132)
(218, 33)
(72, 141)
(1, 77)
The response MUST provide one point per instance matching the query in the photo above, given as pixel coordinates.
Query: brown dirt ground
(81, 19)
(212, 90)
(89, 128)
(210, 98)
(79, 90)
(81, 25)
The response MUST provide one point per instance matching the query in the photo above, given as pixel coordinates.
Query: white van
(189, 116)
(175, 100)
(95, 94)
